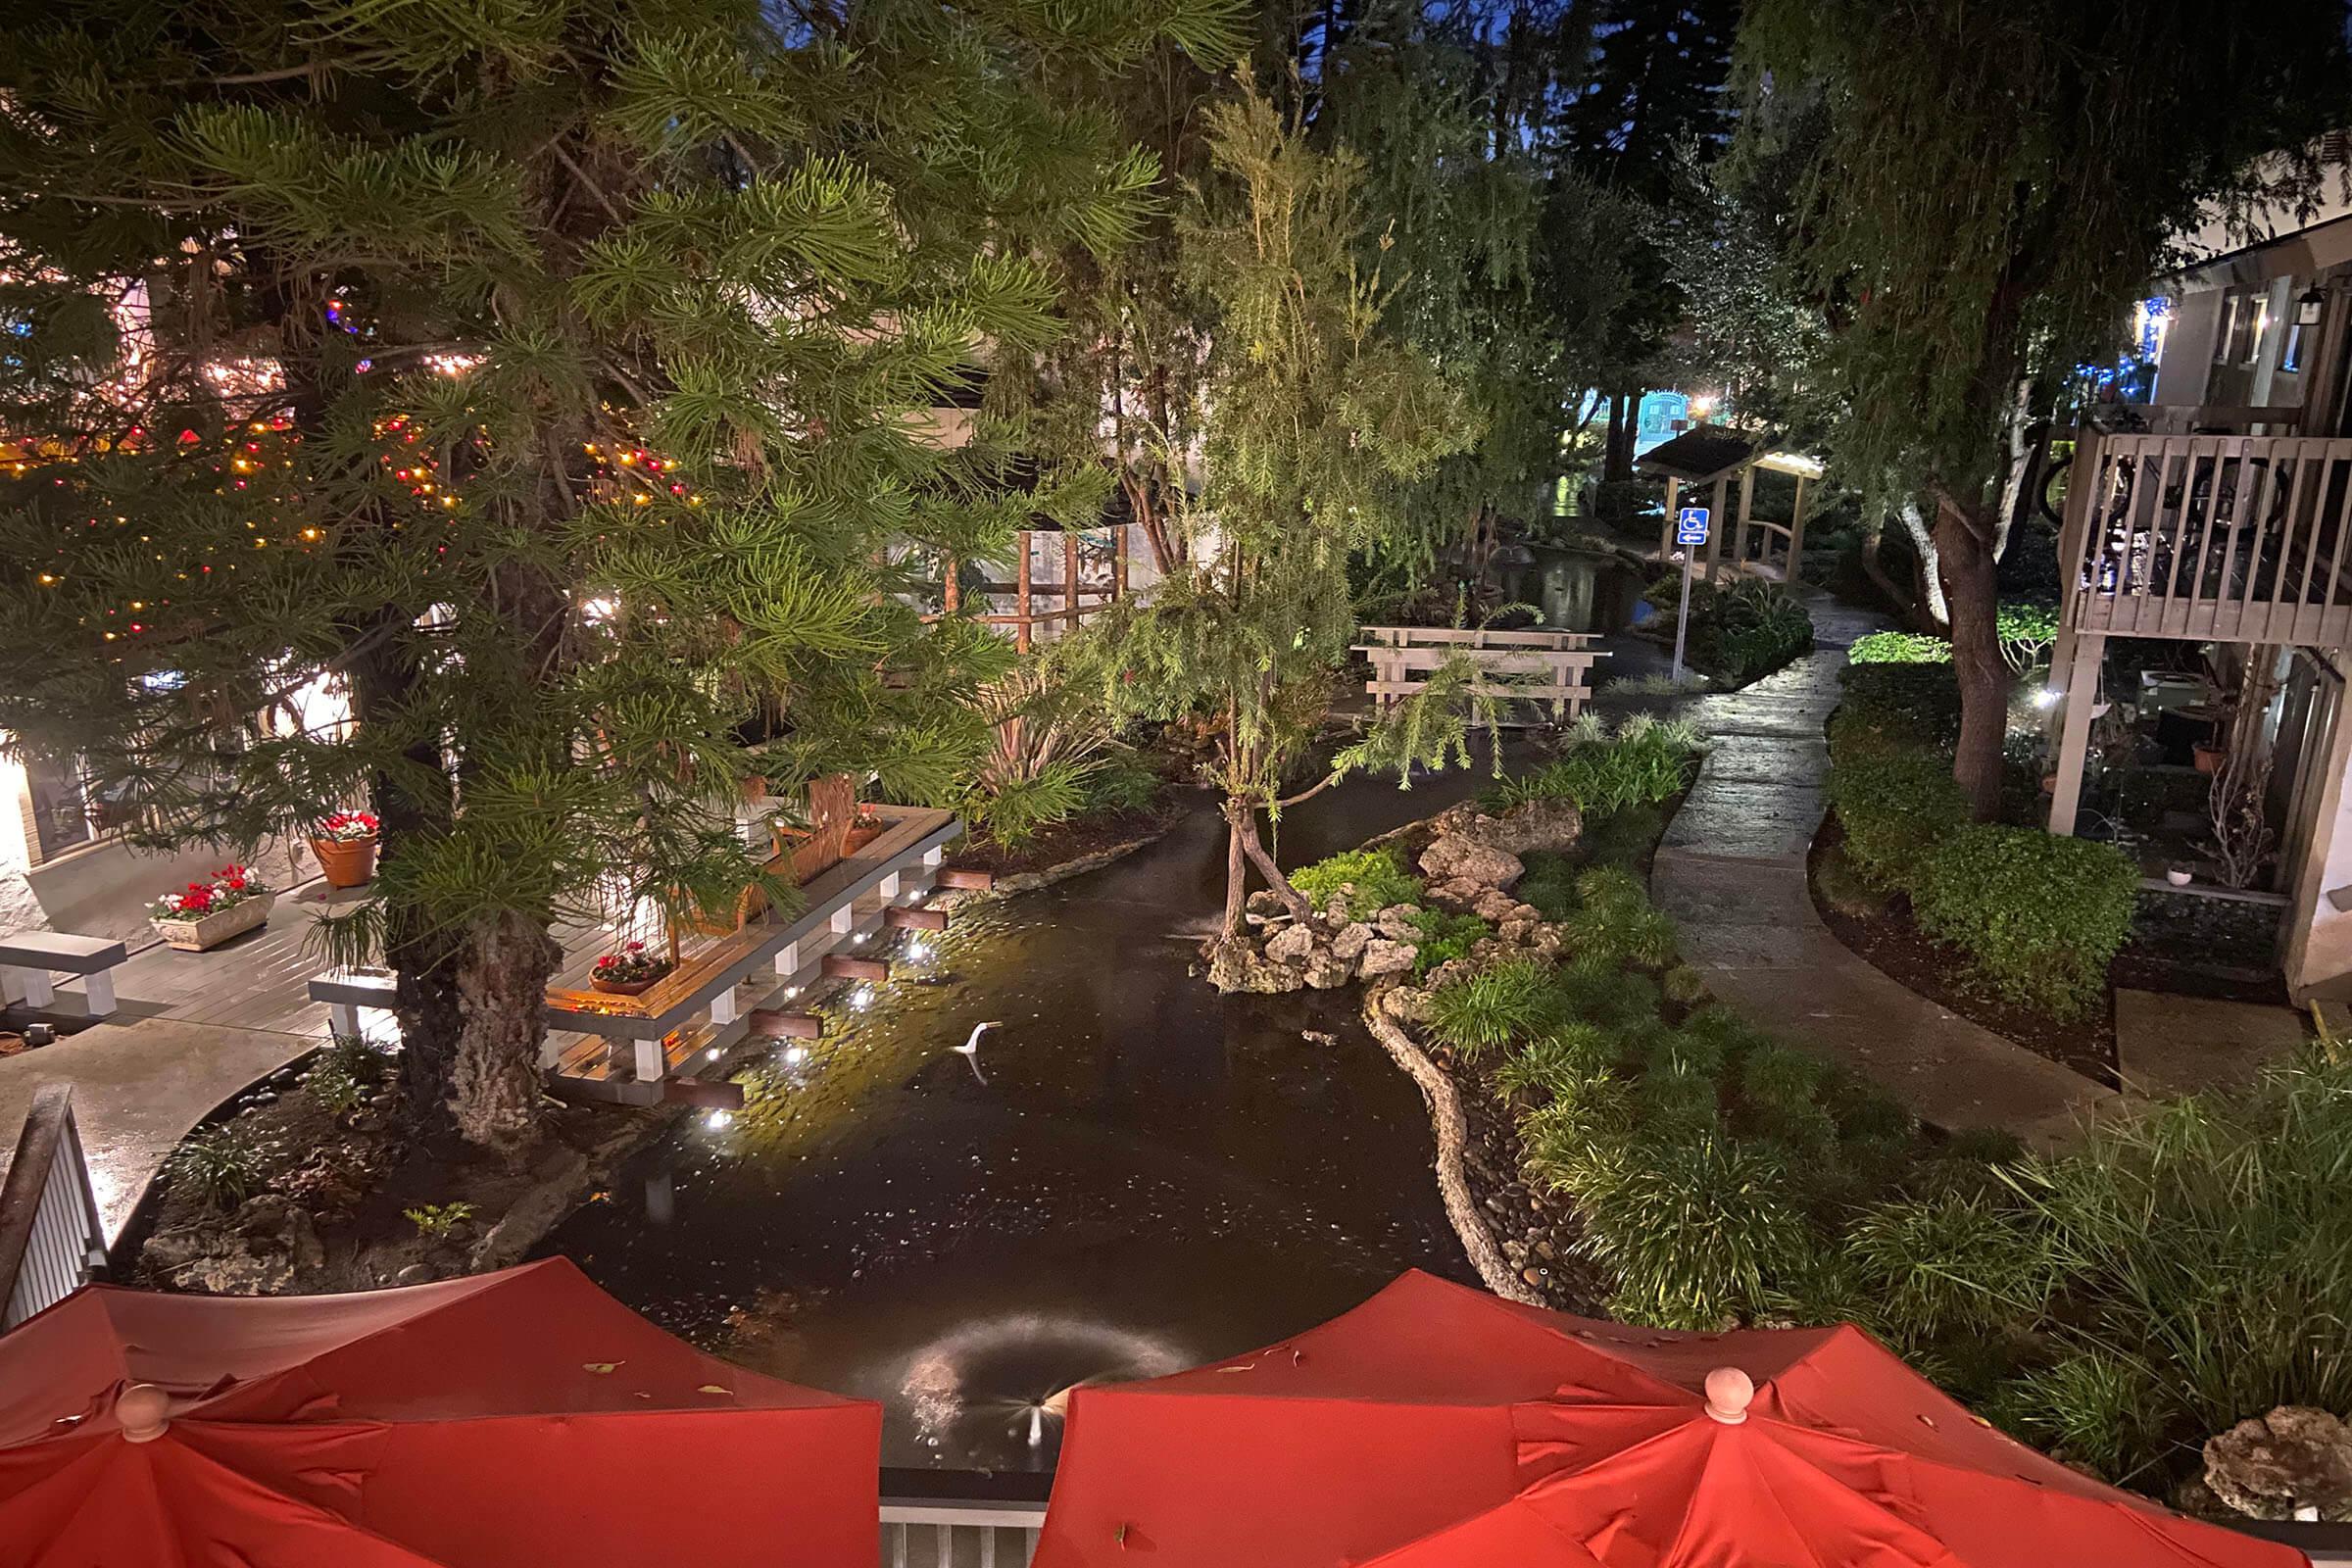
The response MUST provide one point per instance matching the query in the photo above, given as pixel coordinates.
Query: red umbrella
(502, 1421)
(1439, 1427)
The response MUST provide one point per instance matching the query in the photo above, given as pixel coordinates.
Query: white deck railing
(2234, 538)
(919, 1533)
(51, 1243)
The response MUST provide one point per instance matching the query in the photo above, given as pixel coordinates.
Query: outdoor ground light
(2047, 697)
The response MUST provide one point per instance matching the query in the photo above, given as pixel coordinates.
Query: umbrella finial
(1729, 1391)
(143, 1411)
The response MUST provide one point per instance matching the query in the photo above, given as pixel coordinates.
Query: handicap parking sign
(1690, 526)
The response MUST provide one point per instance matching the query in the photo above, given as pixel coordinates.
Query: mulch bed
(1896, 948)
(1073, 840)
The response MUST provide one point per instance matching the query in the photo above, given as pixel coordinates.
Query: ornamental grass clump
(2039, 916)
(1486, 1011)
(2185, 1268)
(1643, 762)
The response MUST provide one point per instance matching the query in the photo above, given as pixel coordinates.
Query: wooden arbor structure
(1700, 468)
(1064, 598)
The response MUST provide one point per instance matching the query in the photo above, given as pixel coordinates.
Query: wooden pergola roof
(1708, 452)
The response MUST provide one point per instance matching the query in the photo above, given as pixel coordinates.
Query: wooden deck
(603, 1044)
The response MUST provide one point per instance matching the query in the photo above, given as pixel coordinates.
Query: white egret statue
(971, 1049)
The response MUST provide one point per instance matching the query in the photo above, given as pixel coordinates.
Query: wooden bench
(346, 990)
(1536, 667)
(31, 957)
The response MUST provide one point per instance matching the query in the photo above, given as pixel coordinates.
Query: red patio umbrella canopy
(502, 1421)
(1441, 1427)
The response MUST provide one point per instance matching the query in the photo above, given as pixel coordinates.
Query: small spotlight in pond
(795, 1056)
(860, 936)
(2047, 697)
(863, 998)
(712, 1054)
(917, 951)
(791, 992)
(719, 1121)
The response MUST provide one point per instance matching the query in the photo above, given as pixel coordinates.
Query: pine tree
(548, 380)
(1312, 419)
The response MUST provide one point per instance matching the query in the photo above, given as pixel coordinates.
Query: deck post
(951, 591)
(343, 1020)
(1020, 598)
(1796, 537)
(1715, 527)
(1673, 496)
(1070, 579)
(1748, 503)
(1119, 563)
(788, 960)
(723, 1011)
(2081, 695)
(652, 1062)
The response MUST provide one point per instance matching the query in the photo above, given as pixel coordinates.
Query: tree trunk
(1930, 611)
(1617, 457)
(1972, 594)
(1255, 847)
(502, 973)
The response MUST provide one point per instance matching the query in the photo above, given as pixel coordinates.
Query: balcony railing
(2233, 538)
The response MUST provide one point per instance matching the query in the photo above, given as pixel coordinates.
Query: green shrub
(1445, 936)
(1121, 782)
(1486, 1011)
(1549, 884)
(218, 1166)
(1915, 703)
(332, 1086)
(1691, 1231)
(361, 1057)
(1644, 761)
(1896, 803)
(1899, 648)
(2184, 1269)
(1555, 1062)
(1377, 878)
(1614, 918)
(2039, 916)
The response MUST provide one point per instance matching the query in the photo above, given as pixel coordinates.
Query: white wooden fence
(1544, 666)
(919, 1533)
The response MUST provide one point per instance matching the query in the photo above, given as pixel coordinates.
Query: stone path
(1731, 874)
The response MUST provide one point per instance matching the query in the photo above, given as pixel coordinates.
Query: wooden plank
(950, 876)
(780, 1026)
(900, 919)
(842, 967)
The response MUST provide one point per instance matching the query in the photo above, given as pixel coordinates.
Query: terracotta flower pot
(860, 837)
(623, 988)
(345, 862)
(2207, 757)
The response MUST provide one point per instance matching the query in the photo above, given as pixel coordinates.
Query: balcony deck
(2205, 538)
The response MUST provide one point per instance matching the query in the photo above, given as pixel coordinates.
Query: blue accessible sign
(1690, 526)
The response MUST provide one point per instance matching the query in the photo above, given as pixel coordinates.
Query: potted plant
(864, 830)
(345, 844)
(207, 914)
(630, 972)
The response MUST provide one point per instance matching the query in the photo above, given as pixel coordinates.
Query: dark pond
(1130, 1175)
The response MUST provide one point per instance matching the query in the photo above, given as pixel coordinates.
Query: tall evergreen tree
(1992, 184)
(547, 378)
(1313, 418)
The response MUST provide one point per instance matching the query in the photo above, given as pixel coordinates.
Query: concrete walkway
(1731, 874)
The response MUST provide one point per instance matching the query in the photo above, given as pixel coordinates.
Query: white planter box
(209, 931)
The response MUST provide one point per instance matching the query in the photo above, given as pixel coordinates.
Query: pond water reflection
(1139, 1176)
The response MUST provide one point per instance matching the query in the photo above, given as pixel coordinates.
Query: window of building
(61, 817)
(2304, 324)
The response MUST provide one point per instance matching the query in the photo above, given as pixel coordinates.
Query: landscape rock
(1383, 956)
(1291, 945)
(1457, 894)
(1515, 932)
(1265, 900)
(1460, 858)
(1537, 827)
(1494, 905)
(1334, 908)
(1396, 922)
(2295, 1462)
(1326, 970)
(1406, 1005)
(1269, 979)
(1348, 942)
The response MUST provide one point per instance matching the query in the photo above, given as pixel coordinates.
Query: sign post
(1690, 532)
